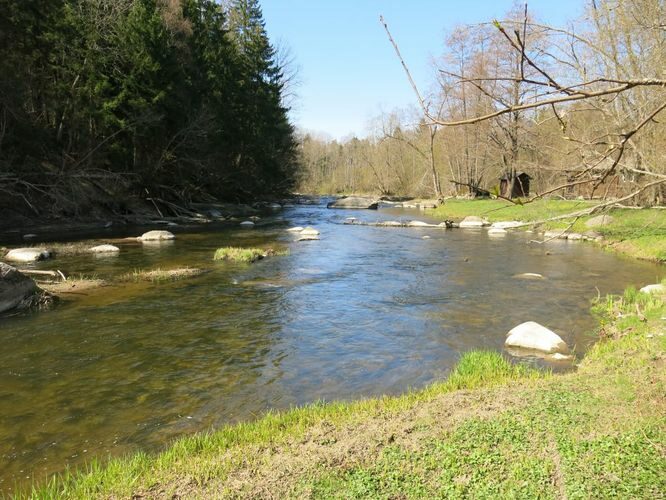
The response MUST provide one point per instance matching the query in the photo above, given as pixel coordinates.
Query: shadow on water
(364, 311)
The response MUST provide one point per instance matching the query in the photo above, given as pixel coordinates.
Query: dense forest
(107, 101)
(579, 108)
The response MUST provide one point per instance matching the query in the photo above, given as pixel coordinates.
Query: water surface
(364, 311)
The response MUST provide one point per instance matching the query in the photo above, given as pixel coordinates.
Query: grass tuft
(246, 255)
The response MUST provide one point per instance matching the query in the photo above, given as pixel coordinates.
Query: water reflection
(364, 311)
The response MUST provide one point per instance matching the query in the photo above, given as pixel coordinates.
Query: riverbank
(638, 233)
(491, 429)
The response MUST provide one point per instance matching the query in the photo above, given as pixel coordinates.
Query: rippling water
(364, 311)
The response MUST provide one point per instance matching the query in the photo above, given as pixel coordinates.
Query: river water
(364, 311)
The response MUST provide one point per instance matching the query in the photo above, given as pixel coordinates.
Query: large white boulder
(296, 229)
(355, 202)
(532, 335)
(27, 254)
(472, 221)
(157, 235)
(14, 287)
(656, 288)
(418, 223)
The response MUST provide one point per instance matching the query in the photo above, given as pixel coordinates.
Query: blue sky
(348, 70)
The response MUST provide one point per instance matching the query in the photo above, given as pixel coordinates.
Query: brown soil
(73, 286)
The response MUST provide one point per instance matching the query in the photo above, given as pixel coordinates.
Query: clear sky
(348, 70)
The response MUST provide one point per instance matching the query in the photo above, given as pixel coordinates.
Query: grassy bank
(638, 233)
(492, 429)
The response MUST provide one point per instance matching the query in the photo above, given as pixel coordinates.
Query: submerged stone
(418, 223)
(105, 249)
(529, 276)
(296, 229)
(247, 223)
(496, 231)
(309, 231)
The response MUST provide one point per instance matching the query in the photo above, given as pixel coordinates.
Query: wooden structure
(521, 185)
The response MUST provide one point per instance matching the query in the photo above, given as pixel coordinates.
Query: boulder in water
(296, 229)
(27, 254)
(157, 235)
(358, 202)
(497, 231)
(247, 223)
(473, 221)
(14, 287)
(309, 231)
(105, 249)
(532, 335)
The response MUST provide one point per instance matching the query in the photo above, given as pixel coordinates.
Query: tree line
(579, 108)
(173, 100)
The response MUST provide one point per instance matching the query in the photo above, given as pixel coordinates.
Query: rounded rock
(27, 254)
(105, 249)
(157, 235)
(309, 231)
(532, 335)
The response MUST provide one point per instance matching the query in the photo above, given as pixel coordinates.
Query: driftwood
(55, 274)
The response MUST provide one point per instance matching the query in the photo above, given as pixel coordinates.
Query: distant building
(521, 185)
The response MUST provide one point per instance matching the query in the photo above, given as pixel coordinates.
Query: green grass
(198, 456)
(501, 210)
(637, 232)
(246, 255)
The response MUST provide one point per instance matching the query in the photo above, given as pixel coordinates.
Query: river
(364, 311)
